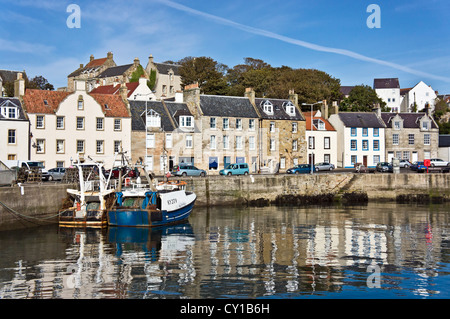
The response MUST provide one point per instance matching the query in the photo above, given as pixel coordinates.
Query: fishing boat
(90, 200)
(154, 205)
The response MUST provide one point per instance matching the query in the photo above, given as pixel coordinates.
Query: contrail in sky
(297, 42)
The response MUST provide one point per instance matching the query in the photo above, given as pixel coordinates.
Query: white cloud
(24, 47)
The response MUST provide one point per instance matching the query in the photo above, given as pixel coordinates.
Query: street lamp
(312, 153)
(146, 126)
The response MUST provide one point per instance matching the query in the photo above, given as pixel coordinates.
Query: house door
(311, 159)
(365, 160)
(390, 157)
(415, 157)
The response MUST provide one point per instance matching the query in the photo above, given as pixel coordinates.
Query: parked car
(384, 167)
(360, 168)
(301, 169)
(437, 162)
(418, 166)
(235, 169)
(56, 174)
(324, 166)
(187, 170)
(404, 163)
(126, 172)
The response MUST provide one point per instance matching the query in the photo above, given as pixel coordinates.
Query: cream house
(65, 124)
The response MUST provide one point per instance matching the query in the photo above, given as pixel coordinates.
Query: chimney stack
(136, 62)
(250, 94)
(92, 58)
(19, 86)
(324, 109)
(191, 96)
(150, 59)
(123, 91)
(334, 108)
(293, 97)
(109, 56)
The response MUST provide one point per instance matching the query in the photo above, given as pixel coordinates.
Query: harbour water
(381, 250)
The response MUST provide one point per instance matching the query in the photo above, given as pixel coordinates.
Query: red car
(126, 172)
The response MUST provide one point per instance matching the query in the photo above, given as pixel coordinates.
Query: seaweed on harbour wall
(419, 199)
(260, 202)
(355, 198)
(298, 200)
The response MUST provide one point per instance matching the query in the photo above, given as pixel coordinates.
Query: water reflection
(229, 252)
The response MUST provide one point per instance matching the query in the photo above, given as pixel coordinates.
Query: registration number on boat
(171, 201)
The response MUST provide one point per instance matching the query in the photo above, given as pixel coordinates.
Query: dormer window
(106, 107)
(45, 102)
(186, 121)
(319, 124)
(267, 107)
(397, 125)
(425, 125)
(289, 108)
(153, 119)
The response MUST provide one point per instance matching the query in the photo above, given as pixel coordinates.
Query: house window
(365, 131)
(272, 144)
(294, 127)
(60, 146)
(117, 124)
(353, 131)
(365, 145)
(80, 146)
(395, 139)
(212, 123)
(294, 145)
(80, 103)
(326, 158)
(272, 127)
(238, 124)
(376, 145)
(426, 139)
(311, 143)
(326, 143)
(169, 142)
(117, 146)
(80, 123)
(11, 136)
(376, 159)
(268, 107)
(226, 124)
(189, 141)
(212, 142)
(40, 121)
(100, 121)
(40, 146)
(251, 124)
(12, 157)
(60, 122)
(396, 125)
(150, 140)
(251, 143)
(290, 108)
(164, 89)
(319, 124)
(353, 145)
(99, 147)
(425, 125)
(12, 113)
(238, 142)
(411, 139)
(406, 155)
(376, 131)
(353, 159)
(225, 142)
(60, 164)
(153, 119)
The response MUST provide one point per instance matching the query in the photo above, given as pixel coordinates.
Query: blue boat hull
(147, 218)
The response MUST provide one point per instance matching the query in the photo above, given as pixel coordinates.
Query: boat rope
(26, 216)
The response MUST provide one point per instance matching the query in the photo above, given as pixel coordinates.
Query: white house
(389, 91)
(360, 138)
(420, 95)
(64, 124)
(322, 139)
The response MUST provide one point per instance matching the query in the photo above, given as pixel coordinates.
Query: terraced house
(64, 124)
(281, 142)
(411, 136)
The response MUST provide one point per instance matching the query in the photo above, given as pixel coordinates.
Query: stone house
(165, 137)
(168, 79)
(410, 136)
(322, 139)
(360, 136)
(9, 77)
(90, 72)
(229, 129)
(14, 127)
(281, 142)
(65, 124)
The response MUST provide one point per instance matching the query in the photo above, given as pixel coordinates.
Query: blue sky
(412, 44)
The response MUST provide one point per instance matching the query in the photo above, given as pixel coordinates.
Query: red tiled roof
(307, 115)
(96, 62)
(114, 89)
(34, 101)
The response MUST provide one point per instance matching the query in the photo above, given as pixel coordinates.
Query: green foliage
(444, 128)
(136, 75)
(362, 98)
(152, 82)
(38, 82)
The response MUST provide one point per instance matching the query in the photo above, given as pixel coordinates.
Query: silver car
(56, 174)
(324, 166)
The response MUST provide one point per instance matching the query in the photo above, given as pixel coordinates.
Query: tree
(208, 73)
(136, 75)
(361, 98)
(39, 83)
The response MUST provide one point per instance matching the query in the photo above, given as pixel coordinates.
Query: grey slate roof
(177, 109)
(138, 115)
(12, 101)
(279, 112)
(361, 119)
(10, 76)
(227, 106)
(164, 68)
(444, 140)
(115, 71)
(390, 83)
(410, 120)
